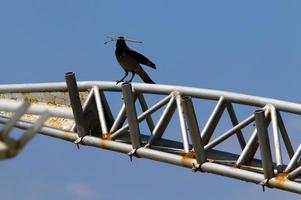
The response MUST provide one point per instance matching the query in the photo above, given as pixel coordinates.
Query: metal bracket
(264, 183)
(197, 168)
(133, 153)
(79, 141)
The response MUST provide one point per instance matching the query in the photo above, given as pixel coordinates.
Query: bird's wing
(140, 58)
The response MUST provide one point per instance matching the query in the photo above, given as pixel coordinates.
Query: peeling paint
(53, 122)
(57, 99)
(51, 100)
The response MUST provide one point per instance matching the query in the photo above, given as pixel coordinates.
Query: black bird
(130, 61)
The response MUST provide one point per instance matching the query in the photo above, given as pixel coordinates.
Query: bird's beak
(111, 39)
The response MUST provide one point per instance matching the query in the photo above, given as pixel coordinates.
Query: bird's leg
(133, 74)
(126, 74)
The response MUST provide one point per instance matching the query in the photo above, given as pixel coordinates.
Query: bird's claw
(119, 81)
(122, 81)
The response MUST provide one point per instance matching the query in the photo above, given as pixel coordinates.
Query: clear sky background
(251, 47)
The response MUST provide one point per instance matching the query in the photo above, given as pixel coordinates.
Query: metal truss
(81, 113)
(10, 146)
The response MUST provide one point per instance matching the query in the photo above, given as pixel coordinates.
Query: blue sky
(251, 47)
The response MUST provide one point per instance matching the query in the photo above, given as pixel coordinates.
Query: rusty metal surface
(57, 99)
(49, 100)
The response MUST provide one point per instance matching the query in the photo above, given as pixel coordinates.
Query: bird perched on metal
(130, 60)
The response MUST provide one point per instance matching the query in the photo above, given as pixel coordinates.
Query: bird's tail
(143, 75)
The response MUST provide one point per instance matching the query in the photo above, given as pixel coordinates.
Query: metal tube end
(265, 149)
(67, 74)
(186, 98)
(76, 103)
(259, 111)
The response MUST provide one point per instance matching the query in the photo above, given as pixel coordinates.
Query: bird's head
(120, 42)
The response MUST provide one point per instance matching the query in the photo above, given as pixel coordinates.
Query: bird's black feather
(140, 58)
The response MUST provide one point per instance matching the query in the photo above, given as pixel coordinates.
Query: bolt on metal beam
(131, 114)
(194, 130)
(264, 144)
(76, 104)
